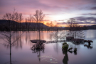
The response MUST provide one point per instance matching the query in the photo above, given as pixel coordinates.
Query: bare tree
(15, 16)
(38, 17)
(73, 25)
(50, 24)
(75, 32)
(28, 21)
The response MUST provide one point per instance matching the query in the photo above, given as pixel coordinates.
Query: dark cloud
(86, 20)
(89, 14)
(62, 23)
(83, 20)
(93, 8)
(78, 23)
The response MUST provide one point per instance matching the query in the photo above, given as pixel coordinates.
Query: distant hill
(5, 25)
(2, 21)
(36, 25)
(7, 22)
(92, 27)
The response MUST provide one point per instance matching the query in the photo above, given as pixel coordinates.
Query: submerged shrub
(64, 43)
(65, 46)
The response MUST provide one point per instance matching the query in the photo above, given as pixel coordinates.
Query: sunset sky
(84, 11)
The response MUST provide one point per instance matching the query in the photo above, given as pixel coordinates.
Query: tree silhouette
(28, 21)
(74, 29)
(38, 17)
(15, 16)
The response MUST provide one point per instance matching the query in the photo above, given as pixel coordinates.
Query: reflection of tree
(15, 39)
(75, 34)
(18, 43)
(37, 48)
(64, 51)
(88, 46)
(12, 41)
(55, 35)
(58, 36)
(56, 48)
(65, 59)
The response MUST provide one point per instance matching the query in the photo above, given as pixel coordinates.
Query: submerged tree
(38, 17)
(73, 25)
(15, 16)
(28, 21)
(75, 29)
(74, 32)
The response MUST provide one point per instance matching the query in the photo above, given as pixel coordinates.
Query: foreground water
(52, 54)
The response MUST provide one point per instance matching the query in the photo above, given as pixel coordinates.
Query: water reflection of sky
(24, 55)
(90, 34)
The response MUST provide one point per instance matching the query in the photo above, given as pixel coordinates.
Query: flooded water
(52, 53)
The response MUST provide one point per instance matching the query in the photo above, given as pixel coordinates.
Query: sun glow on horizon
(62, 17)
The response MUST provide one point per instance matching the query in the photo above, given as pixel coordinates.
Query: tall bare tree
(15, 16)
(28, 21)
(75, 29)
(73, 25)
(38, 17)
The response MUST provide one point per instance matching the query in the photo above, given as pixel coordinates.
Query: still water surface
(52, 54)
